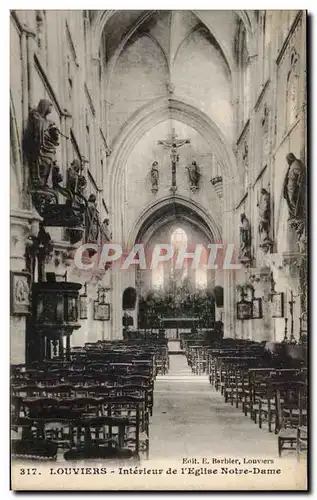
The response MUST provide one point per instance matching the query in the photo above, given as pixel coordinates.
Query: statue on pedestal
(295, 193)
(40, 142)
(245, 240)
(106, 229)
(265, 220)
(92, 220)
(76, 182)
(194, 176)
(154, 177)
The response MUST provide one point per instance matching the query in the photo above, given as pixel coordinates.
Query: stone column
(129, 280)
(106, 281)
(31, 49)
(118, 210)
(116, 304)
(229, 317)
(229, 305)
(303, 91)
(23, 223)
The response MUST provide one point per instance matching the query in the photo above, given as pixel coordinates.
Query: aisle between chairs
(191, 419)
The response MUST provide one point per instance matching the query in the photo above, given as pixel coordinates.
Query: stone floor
(191, 419)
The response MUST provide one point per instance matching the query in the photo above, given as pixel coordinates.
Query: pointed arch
(150, 219)
(152, 114)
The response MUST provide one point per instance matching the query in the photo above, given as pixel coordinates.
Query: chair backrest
(291, 403)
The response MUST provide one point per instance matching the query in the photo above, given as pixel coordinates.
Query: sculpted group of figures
(193, 176)
(41, 140)
(294, 192)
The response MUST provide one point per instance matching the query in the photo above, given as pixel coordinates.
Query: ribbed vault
(119, 23)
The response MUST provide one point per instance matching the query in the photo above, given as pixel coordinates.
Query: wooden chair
(104, 439)
(290, 413)
(33, 449)
(267, 407)
(301, 441)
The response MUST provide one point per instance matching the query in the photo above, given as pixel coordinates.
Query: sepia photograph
(158, 250)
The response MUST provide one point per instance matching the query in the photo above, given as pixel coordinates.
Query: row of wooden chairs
(96, 404)
(197, 350)
(83, 422)
(157, 346)
(267, 389)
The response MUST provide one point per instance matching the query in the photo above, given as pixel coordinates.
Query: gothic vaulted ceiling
(154, 54)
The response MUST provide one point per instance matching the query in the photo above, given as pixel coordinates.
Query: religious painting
(277, 305)
(101, 311)
(244, 310)
(257, 309)
(20, 293)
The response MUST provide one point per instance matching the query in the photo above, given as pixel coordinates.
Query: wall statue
(154, 177)
(57, 177)
(76, 184)
(92, 220)
(106, 229)
(295, 193)
(76, 181)
(194, 176)
(264, 206)
(40, 142)
(245, 240)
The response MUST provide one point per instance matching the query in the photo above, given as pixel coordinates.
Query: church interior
(183, 129)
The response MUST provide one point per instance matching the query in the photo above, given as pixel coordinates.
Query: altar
(174, 326)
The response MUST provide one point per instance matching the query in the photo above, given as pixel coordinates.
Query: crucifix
(174, 144)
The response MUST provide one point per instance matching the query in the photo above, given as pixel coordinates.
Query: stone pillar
(303, 91)
(129, 280)
(31, 49)
(23, 223)
(229, 316)
(95, 64)
(116, 300)
(229, 305)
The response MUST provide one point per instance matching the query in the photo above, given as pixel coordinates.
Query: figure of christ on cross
(174, 144)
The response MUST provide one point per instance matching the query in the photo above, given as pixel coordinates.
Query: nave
(191, 419)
